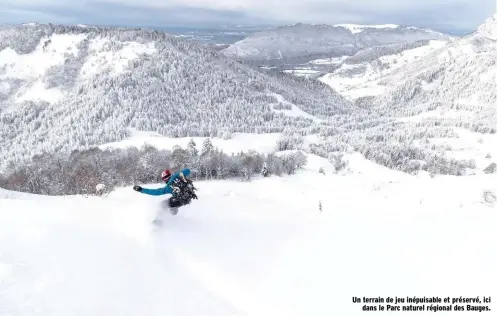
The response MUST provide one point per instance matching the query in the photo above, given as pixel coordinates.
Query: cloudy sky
(447, 15)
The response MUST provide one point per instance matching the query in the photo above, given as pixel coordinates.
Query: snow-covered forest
(166, 84)
(82, 171)
(97, 83)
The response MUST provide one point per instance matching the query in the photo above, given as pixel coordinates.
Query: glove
(137, 188)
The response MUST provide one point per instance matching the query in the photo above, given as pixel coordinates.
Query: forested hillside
(63, 88)
(445, 109)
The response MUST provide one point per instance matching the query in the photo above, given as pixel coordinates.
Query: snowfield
(234, 144)
(258, 248)
(238, 142)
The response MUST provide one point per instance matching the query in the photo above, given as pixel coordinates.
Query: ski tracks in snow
(85, 259)
(183, 243)
(189, 278)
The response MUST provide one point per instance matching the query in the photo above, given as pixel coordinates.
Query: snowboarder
(171, 187)
(167, 177)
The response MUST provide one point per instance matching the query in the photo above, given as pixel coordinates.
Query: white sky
(449, 14)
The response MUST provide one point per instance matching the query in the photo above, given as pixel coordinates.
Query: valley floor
(257, 248)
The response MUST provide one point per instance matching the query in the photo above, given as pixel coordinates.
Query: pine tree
(207, 148)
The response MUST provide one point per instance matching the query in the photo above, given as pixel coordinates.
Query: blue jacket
(167, 189)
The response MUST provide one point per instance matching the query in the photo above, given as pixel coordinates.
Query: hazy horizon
(242, 28)
(454, 16)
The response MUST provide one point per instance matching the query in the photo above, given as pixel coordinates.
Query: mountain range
(304, 42)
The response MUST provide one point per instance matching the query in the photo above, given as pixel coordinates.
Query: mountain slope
(488, 29)
(305, 41)
(462, 76)
(362, 74)
(259, 248)
(63, 87)
(445, 104)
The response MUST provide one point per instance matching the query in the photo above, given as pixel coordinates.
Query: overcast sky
(446, 15)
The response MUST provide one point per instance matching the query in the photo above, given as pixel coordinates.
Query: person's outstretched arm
(159, 191)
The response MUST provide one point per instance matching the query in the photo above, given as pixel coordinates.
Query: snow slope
(462, 76)
(54, 51)
(294, 110)
(264, 143)
(259, 248)
(32, 68)
(489, 28)
(355, 80)
(442, 95)
(236, 143)
(116, 62)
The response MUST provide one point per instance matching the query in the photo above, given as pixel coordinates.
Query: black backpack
(183, 193)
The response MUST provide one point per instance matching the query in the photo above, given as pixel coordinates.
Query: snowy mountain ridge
(358, 28)
(371, 72)
(489, 28)
(307, 41)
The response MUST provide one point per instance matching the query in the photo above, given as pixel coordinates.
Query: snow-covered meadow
(231, 143)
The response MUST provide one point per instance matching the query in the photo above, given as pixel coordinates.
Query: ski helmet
(165, 175)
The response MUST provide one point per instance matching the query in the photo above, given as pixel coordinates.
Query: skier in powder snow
(169, 179)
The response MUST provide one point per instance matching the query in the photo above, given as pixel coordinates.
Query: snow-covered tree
(265, 170)
(78, 173)
(192, 148)
(207, 148)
